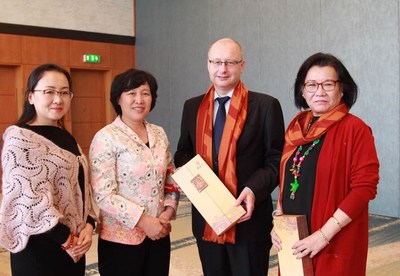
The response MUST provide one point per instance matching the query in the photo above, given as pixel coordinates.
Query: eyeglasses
(227, 63)
(51, 93)
(312, 86)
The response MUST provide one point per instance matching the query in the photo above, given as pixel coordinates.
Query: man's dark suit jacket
(258, 156)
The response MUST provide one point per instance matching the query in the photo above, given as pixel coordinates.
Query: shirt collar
(230, 93)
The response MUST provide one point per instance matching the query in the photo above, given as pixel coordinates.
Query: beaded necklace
(296, 167)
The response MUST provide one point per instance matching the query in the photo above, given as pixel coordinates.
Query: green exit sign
(91, 58)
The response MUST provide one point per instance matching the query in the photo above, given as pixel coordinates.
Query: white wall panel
(99, 16)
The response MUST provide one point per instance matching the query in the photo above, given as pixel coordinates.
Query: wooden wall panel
(122, 56)
(84, 133)
(88, 109)
(10, 49)
(110, 113)
(26, 71)
(8, 112)
(80, 48)
(88, 83)
(8, 96)
(39, 50)
(7, 80)
(91, 108)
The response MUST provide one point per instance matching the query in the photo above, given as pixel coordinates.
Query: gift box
(290, 229)
(208, 194)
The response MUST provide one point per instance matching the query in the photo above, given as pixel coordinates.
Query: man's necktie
(219, 122)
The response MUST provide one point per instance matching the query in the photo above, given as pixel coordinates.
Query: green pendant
(296, 167)
(295, 186)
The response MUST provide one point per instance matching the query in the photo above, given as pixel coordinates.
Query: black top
(302, 203)
(58, 136)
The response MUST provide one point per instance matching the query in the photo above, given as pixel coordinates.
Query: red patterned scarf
(297, 134)
(234, 124)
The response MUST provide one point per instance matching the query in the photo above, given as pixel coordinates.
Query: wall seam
(398, 64)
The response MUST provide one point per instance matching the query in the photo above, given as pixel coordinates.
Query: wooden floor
(383, 255)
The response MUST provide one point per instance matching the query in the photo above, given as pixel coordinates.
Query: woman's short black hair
(29, 111)
(349, 87)
(128, 80)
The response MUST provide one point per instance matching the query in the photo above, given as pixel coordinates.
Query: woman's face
(51, 98)
(322, 101)
(135, 104)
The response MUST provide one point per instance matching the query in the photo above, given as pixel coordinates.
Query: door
(88, 105)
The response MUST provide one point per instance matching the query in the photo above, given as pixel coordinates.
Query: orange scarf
(297, 134)
(234, 124)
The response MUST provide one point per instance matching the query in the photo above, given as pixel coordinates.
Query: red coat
(346, 178)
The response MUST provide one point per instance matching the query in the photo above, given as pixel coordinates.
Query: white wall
(99, 16)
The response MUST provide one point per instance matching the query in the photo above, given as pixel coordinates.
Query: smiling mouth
(223, 78)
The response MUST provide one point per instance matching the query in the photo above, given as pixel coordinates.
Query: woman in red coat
(329, 169)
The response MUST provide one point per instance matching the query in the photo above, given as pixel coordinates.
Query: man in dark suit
(246, 158)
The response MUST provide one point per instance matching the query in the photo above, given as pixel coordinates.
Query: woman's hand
(167, 214)
(165, 218)
(154, 228)
(68, 246)
(83, 241)
(310, 245)
(276, 241)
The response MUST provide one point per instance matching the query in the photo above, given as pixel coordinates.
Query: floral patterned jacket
(130, 178)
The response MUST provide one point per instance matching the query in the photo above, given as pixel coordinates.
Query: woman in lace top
(46, 218)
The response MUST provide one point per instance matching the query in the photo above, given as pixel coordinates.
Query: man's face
(225, 65)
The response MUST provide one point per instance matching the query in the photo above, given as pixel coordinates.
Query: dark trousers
(146, 259)
(249, 259)
(43, 257)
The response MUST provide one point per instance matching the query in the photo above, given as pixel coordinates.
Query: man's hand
(247, 199)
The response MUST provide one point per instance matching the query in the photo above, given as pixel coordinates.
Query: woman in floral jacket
(131, 166)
